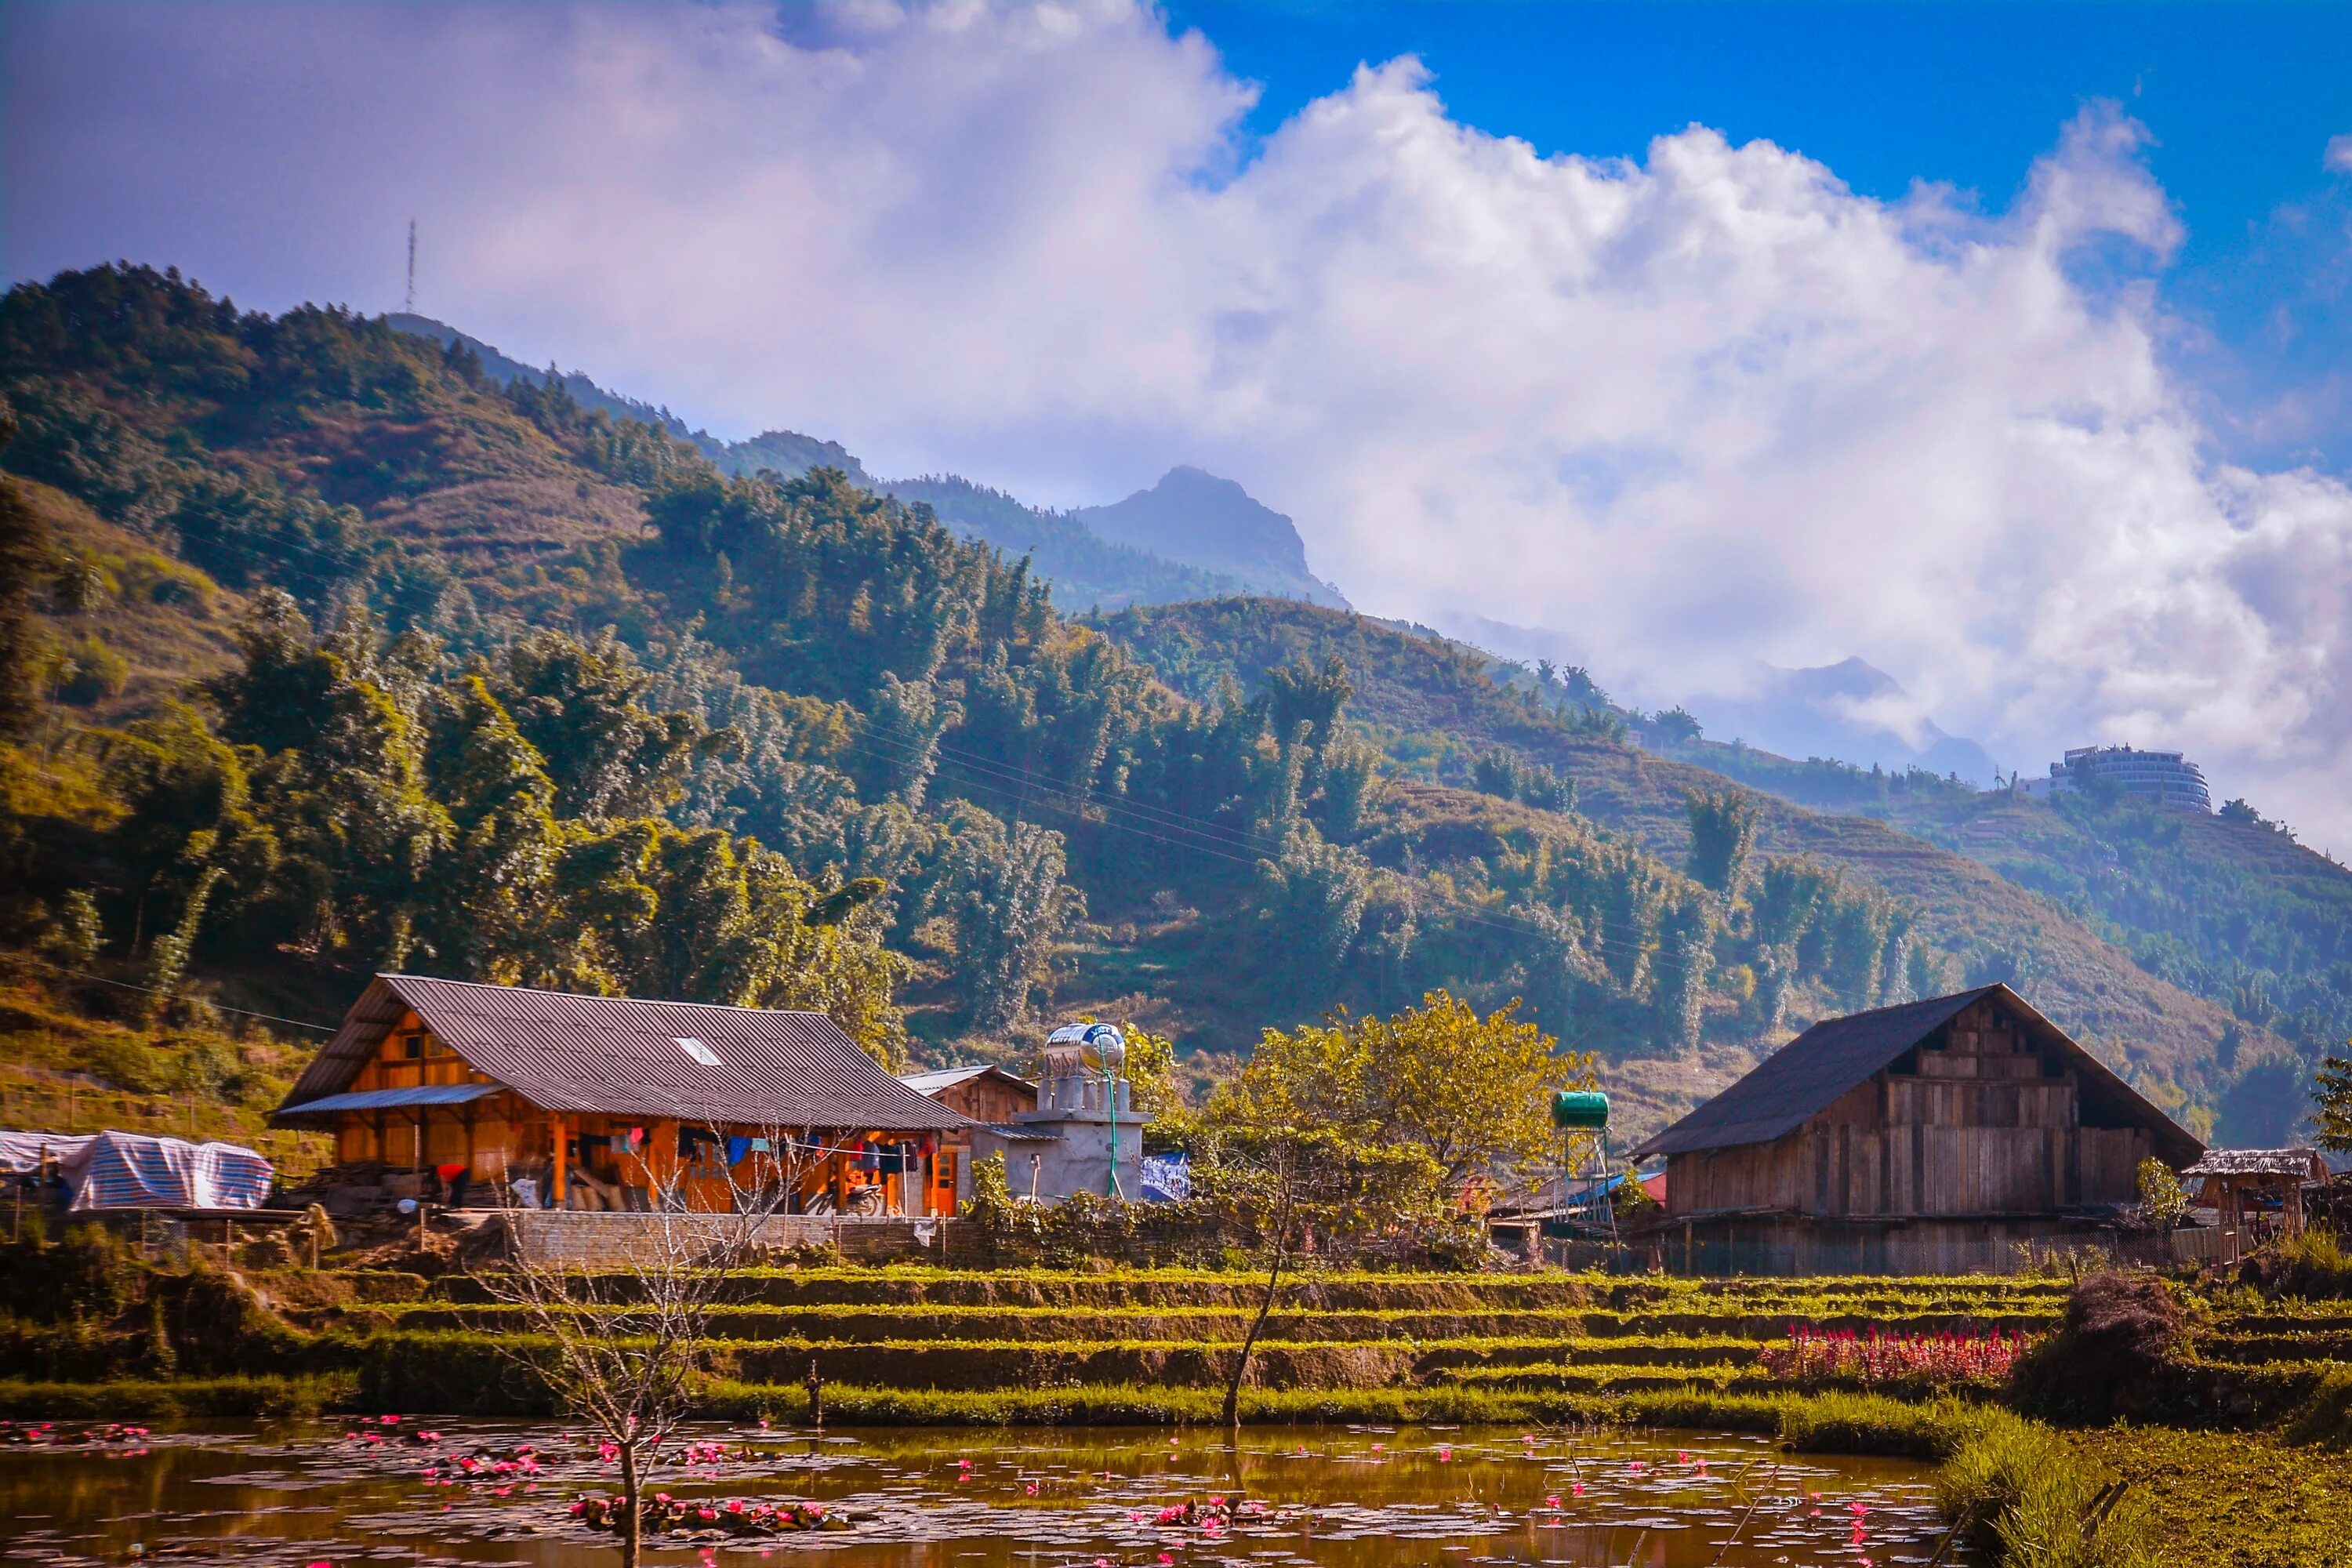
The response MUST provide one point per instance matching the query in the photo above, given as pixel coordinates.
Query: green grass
(145, 1399)
(2230, 1500)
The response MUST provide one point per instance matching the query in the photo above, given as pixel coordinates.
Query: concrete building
(1072, 1130)
(2168, 778)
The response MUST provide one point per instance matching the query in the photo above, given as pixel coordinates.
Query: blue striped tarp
(132, 1171)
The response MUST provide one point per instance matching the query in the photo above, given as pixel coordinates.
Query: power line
(1056, 797)
(178, 996)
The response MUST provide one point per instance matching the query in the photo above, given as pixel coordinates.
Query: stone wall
(619, 1239)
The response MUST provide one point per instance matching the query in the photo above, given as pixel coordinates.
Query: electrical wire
(178, 996)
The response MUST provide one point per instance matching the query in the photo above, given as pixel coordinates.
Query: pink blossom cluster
(664, 1514)
(44, 1434)
(1875, 1355)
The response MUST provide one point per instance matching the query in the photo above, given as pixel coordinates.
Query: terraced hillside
(931, 1345)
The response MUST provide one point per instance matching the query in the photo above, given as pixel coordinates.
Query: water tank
(1579, 1111)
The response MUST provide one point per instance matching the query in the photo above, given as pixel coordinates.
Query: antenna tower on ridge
(410, 306)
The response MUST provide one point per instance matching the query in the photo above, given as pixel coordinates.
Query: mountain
(1849, 712)
(1085, 570)
(1202, 521)
(338, 634)
(506, 372)
(789, 453)
(2117, 920)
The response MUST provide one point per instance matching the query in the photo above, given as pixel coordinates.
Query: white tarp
(132, 1171)
(20, 1152)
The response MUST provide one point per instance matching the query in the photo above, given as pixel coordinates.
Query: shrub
(90, 671)
(2160, 1194)
(2116, 1353)
(2313, 1264)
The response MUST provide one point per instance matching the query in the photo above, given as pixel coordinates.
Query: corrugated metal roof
(1015, 1132)
(938, 1080)
(1805, 1076)
(626, 1055)
(388, 1098)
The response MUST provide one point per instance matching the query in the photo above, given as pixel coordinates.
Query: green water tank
(1581, 1110)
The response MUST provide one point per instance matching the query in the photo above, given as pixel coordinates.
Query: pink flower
(1552, 1502)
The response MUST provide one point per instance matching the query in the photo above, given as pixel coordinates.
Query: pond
(409, 1493)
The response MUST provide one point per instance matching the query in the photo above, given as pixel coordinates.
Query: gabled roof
(1808, 1074)
(624, 1056)
(939, 1080)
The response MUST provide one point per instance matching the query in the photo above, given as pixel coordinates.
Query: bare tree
(621, 1341)
(1297, 1190)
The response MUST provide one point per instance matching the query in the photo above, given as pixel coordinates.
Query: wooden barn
(1932, 1134)
(494, 1095)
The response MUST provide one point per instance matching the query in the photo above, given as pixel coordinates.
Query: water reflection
(1087, 1497)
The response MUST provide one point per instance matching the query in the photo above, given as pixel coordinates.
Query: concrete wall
(1078, 1160)
(616, 1239)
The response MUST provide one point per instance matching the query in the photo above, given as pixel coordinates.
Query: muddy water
(354, 1493)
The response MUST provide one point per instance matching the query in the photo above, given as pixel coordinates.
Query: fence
(1726, 1258)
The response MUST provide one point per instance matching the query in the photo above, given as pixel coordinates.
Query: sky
(2003, 347)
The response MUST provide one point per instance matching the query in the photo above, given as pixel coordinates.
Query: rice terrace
(1175, 784)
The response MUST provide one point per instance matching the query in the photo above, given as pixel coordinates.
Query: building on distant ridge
(2168, 778)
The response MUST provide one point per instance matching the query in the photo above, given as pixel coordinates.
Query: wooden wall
(987, 1099)
(1979, 1119)
(500, 1136)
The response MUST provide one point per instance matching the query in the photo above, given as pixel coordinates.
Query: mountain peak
(1202, 519)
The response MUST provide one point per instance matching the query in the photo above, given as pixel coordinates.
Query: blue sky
(2240, 100)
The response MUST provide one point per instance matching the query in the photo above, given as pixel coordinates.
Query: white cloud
(2338, 159)
(1692, 411)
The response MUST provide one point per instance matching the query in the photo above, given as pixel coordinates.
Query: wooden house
(985, 1093)
(503, 1094)
(1932, 1129)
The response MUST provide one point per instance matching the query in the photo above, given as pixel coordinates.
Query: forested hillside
(1083, 569)
(336, 654)
(1435, 711)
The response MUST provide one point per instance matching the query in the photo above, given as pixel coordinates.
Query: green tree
(581, 706)
(1723, 836)
(1471, 1090)
(2331, 1099)
(1005, 891)
(24, 549)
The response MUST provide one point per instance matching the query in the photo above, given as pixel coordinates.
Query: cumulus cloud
(1689, 411)
(2338, 159)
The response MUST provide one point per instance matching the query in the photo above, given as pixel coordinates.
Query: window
(695, 1049)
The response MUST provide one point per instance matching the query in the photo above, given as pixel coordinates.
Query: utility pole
(409, 305)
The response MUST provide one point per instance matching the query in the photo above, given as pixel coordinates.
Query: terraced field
(929, 1345)
(909, 1344)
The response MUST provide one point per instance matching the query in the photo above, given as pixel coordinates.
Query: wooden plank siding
(1975, 1120)
(502, 1132)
